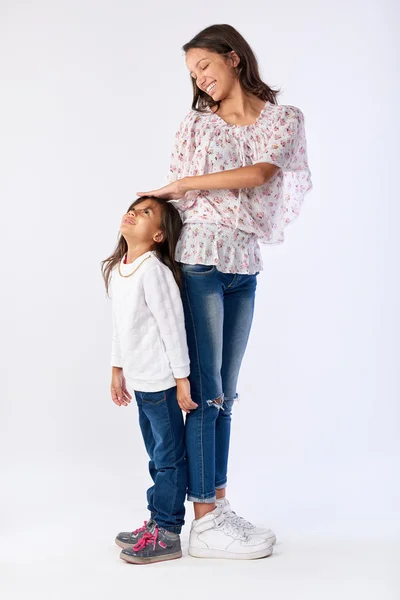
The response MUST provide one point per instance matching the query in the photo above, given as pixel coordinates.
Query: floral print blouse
(223, 227)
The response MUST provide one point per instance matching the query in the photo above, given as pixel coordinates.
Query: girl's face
(142, 223)
(213, 73)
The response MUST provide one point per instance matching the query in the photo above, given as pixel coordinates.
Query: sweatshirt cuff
(116, 361)
(181, 372)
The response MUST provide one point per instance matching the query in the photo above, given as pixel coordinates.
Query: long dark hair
(171, 225)
(222, 39)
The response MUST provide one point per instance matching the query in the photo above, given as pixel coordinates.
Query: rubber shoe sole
(271, 538)
(211, 553)
(125, 544)
(138, 560)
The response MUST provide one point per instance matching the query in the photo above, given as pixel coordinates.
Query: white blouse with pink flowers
(223, 227)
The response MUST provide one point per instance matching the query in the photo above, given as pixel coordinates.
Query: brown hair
(222, 39)
(171, 225)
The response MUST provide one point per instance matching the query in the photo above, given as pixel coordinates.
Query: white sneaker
(249, 528)
(214, 536)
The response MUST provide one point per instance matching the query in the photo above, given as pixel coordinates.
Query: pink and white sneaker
(156, 545)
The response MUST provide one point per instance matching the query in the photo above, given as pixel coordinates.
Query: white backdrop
(91, 95)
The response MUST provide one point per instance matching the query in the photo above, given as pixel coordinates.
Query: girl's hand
(173, 191)
(183, 395)
(119, 394)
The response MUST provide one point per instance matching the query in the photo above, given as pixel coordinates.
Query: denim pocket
(197, 269)
(153, 397)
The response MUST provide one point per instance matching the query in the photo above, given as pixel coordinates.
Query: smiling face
(214, 74)
(142, 223)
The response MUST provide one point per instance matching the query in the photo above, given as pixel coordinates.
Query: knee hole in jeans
(217, 402)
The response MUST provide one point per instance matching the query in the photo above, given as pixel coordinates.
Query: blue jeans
(218, 315)
(162, 426)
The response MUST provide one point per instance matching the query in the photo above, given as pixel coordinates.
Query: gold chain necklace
(134, 270)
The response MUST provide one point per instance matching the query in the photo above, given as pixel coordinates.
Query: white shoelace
(230, 528)
(238, 521)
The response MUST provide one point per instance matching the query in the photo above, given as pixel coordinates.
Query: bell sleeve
(181, 161)
(284, 145)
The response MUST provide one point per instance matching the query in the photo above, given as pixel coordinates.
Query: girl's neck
(239, 107)
(136, 250)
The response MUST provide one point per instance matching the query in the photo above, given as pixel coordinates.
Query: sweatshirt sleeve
(116, 360)
(164, 301)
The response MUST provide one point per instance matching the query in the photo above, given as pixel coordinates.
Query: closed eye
(193, 75)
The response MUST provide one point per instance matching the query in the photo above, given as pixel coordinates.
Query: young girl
(150, 358)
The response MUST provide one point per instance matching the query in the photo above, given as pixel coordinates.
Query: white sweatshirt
(149, 337)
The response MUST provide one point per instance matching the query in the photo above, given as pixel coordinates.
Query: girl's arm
(232, 179)
(119, 393)
(164, 302)
(284, 149)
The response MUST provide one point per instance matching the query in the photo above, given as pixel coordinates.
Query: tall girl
(239, 172)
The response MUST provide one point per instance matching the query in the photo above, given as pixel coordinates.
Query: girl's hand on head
(119, 393)
(172, 191)
(183, 395)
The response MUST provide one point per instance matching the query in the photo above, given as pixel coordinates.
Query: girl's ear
(234, 58)
(158, 237)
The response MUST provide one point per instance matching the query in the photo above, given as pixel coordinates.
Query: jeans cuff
(221, 486)
(171, 528)
(192, 498)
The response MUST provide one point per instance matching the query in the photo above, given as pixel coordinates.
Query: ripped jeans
(218, 315)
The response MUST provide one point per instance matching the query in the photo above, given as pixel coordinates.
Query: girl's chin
(217, 97)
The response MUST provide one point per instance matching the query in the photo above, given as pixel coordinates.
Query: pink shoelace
(140, 529)
(146, 540)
